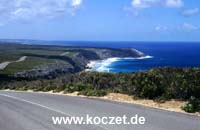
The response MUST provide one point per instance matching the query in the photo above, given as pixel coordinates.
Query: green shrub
(70, 88)
(21, 88)
(192, 105)
(159, 84)
(90, 92)
(48, 88)
(59, 88)
(161, 99)
(38, 89)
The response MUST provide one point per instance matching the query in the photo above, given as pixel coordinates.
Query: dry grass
(172, 105)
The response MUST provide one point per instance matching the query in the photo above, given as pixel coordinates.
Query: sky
(100, 20)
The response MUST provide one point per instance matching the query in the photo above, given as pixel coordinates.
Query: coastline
(102, 65)
(91, 65)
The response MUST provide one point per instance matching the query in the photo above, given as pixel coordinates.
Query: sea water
(159, 54)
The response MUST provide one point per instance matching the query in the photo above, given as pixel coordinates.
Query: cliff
(52, 61)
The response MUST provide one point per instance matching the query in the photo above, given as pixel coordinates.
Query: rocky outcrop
(48, 71)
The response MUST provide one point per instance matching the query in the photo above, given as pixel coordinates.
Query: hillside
(160, 85)
(51, 61)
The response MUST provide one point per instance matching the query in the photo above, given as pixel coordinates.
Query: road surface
(34, 111)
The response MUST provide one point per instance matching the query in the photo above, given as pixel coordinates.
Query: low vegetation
(29, 63)
(192, 105)
(159, 84)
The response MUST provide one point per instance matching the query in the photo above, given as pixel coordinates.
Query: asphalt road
(34, 111)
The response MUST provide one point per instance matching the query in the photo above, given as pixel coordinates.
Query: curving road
(33, 111)
(5, 64)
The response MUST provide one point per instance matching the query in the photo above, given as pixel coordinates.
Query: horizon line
(12, 40)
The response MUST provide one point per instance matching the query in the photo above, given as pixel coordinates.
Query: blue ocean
(160, 54)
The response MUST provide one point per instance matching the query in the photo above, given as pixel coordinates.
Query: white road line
(51, 109)
(19, 99)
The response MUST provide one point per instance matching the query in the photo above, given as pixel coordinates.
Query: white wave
(138, 58)
(103, 66)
